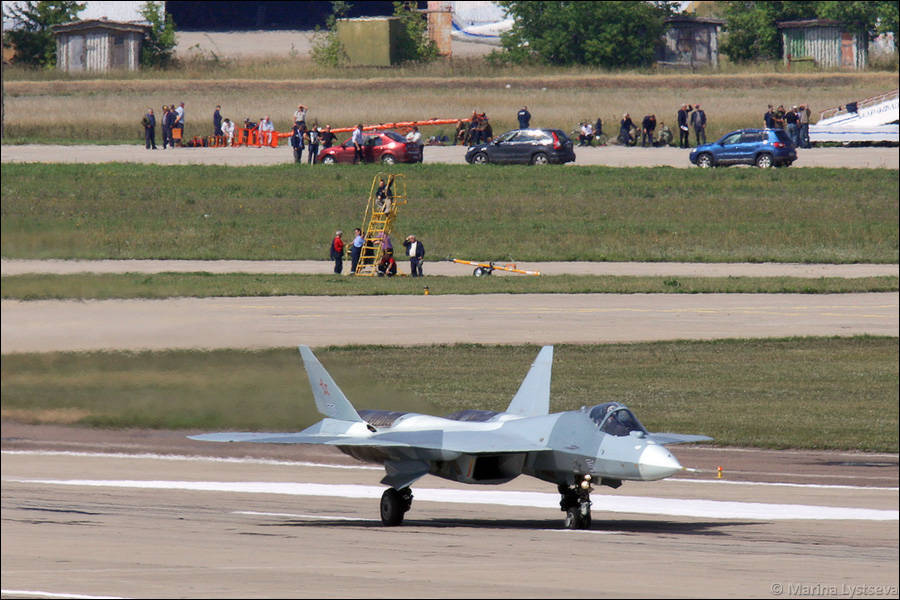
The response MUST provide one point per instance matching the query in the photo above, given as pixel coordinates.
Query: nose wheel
(394, 505)
(576, 503)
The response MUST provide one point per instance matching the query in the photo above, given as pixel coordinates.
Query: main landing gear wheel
(481, 271)
(394, 505)
(576, 502)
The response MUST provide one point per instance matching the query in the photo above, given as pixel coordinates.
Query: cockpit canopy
(615, 419)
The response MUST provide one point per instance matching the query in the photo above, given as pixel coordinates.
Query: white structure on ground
(871, 120)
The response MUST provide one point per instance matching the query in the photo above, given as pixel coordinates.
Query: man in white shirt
(357, 140)
(300, 115)
(265, 131)
(415, 137)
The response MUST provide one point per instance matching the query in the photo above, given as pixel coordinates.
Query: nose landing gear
(394, 505)
(576, 503)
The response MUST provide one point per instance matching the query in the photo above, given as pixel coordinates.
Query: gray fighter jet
(604, 444)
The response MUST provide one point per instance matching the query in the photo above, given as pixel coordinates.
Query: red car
(388, 147)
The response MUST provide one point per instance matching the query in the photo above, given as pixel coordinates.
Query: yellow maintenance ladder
(378, 221)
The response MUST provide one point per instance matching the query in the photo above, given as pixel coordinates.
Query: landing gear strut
(394, 504)
(576, 503)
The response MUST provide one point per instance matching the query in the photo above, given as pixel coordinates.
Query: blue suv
(761, 147)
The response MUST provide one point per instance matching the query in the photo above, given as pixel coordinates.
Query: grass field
(505, 214)
(42, 109)
(167, 285)
(823, 393)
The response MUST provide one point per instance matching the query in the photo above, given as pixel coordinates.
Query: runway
(304, 523)
(610, 156)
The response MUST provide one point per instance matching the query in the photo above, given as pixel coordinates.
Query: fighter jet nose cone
(656, 462)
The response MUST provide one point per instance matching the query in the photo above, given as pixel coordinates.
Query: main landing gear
(576, 503)
(394, 504)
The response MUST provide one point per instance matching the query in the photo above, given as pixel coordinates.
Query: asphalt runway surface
(612, 156)
(153, 515)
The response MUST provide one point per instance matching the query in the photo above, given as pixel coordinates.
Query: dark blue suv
(761, 147)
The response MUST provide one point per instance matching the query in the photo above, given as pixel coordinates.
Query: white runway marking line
(35, 594)
(364, 467)
(707, 509)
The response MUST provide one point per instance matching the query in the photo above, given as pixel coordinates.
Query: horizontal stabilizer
(533, 397)
(330, 400)
(677, 438)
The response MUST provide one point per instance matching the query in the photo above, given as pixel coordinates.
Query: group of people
(478, 130)
(691, 117)
(387, 266)
(795, 122)
(587, 131)
(172, 126)
(649, 133)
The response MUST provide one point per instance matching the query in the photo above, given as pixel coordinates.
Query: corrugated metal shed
(690, 42)
(98, 45)
(827, 43)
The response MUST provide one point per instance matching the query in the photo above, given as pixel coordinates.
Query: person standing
(684, 140)
(698, 122)
(804, 125)
(625, 126)
(164, 123)
(524, 118)
(769, 118)
(357, 140)
(326, 137)
(217, 121)
(416, 253)
(337, 252)
(648, 126)
(791, 118)
(356, 249)
(300, 115)
(178, 125)
(297, 142)
(149, 122)
(313, 150)
(414, 137)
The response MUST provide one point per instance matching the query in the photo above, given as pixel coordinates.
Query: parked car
(761, 147)
(524, 146)
(388, 147)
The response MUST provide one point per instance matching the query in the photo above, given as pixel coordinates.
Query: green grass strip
(816, 393)
(500, 213)
(202, 285)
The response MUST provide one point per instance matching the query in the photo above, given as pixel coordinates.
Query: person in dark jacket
(416, 253)
(149, 123)
(297, 142)
(217, 121)
(524, 118)
(684, 138)
(169, 124)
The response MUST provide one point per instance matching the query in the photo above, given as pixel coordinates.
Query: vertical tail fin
(330, 400)
(533, 397)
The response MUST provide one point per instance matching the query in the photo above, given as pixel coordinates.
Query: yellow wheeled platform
(482, 268)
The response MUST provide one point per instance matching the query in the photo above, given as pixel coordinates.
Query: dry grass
(110, 110)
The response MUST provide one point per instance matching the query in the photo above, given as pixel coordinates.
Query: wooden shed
(823, 42)
(690, 42)
(98, 45)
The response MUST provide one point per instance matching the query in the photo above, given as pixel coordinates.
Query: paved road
(612, 156)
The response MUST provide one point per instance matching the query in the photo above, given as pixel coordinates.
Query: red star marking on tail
(324, 387)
